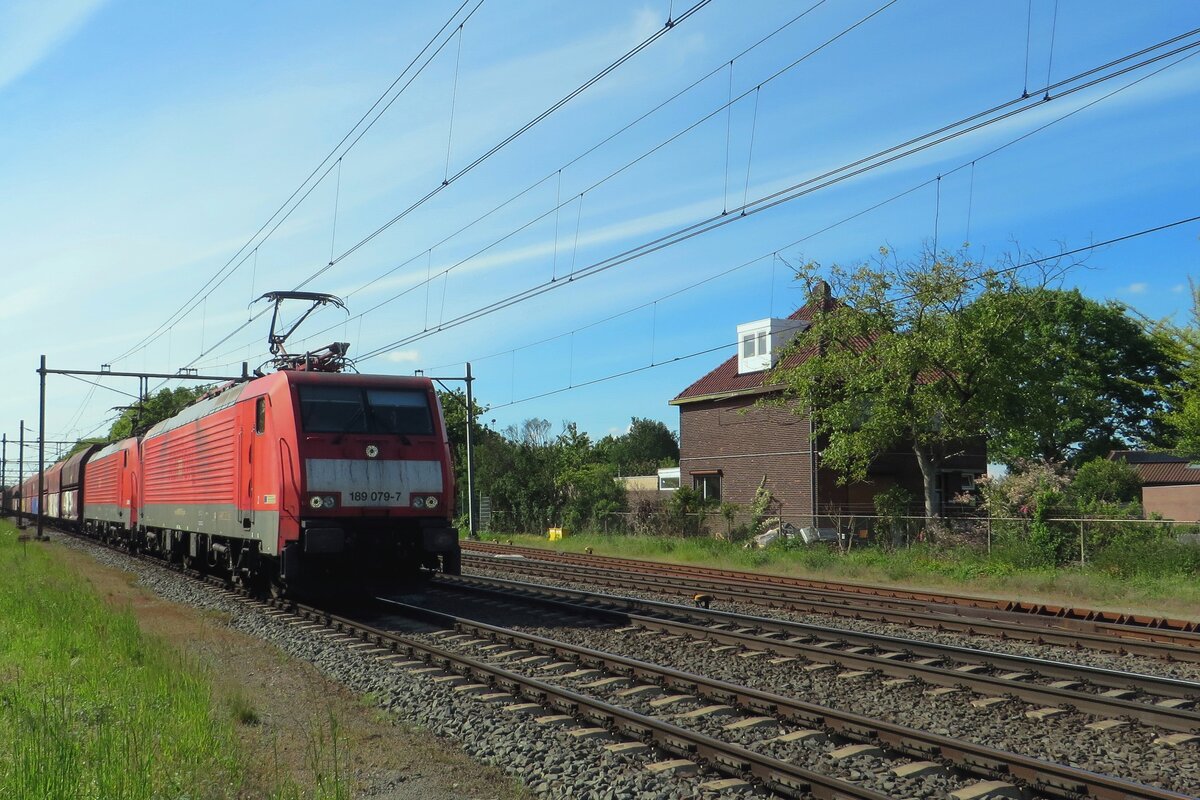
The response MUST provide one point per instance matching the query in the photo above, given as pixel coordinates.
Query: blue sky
(143, 144)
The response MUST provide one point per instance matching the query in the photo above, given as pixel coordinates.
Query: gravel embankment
(1128, 751)
(1128, 663)
(550, 762)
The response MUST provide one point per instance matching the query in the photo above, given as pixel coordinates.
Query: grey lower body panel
(216, 519)
(106, 512)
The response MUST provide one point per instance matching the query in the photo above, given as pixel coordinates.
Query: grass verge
(92, 708)
(958, 570)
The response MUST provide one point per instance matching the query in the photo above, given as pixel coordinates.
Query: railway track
(1166, 703)
(986, 772)
(466, 655)
(1113, 638)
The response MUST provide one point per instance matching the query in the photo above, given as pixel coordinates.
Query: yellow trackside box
(555, 534)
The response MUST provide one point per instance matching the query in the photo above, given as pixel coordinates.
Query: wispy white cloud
(31, 29)
(404, 356)
(1179, 288)
(1138, 287)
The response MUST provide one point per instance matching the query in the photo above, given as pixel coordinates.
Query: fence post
(989, 534)
(1082, 556)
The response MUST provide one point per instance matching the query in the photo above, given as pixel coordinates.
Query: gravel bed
(550, 763)
(1128, 752)
(510, 570)
(872, 771)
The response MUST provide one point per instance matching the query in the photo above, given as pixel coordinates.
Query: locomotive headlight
(327, 501)
(431, 502)
(314, 501)
(418, 502)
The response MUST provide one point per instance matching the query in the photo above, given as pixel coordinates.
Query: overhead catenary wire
(560, 103)
(920, 185)
(512, 137)
(255, 239)
(1007, 270)
(977, 121)
(627, 165)
(594, 147)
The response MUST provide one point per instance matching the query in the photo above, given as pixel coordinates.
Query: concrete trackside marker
(917, 769)
(472, 688)
(496, 697)
(590, 733)
(1176, 702)
(707, 711)
(582, 673)
(749, 723)
(1177, 739)
(1106, 724)
(799, 736)
(987, 702)
(1045, 713)
(554, 719)
(852, 750)
(987, 790)
(676, 766)
(605, 683)
(722, 784)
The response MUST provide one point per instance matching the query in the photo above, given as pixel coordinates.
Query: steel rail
(1057, 779)
(1041, 612)
(1053, 779)
(723, 757)
(623, 608)
(1137, 645)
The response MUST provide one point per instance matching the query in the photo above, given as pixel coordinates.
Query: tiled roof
(1159, 469)
(726, 380)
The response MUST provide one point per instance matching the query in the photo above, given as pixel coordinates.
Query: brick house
(730, 443)
(1170, 483)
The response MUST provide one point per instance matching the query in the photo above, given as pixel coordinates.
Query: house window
(748, 346)
(708, 486)
(762, 343)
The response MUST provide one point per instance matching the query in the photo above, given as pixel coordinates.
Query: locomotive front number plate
(373, 483)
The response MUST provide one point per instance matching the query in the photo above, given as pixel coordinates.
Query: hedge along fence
(1117, 545)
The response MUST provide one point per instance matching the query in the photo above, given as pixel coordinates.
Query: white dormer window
(761, 342)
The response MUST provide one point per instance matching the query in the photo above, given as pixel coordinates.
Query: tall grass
(92, 708)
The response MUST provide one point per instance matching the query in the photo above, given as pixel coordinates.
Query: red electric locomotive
(304, 478)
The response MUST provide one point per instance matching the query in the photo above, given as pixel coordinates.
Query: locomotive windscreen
(352, 409)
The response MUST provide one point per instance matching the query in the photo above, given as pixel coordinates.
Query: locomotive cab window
(260, 415)
(351, 409)
(399, 411)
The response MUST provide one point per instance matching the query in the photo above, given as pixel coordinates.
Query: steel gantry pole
(21, 468)
(472, 524)
(41, 511)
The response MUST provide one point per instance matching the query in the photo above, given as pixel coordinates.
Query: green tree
(140, 417)
(646, 446)
(1101, 481)
(903, 357)
(1182, 416)
(1086, 378)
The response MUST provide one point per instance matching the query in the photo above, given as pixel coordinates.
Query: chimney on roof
(760, 342)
